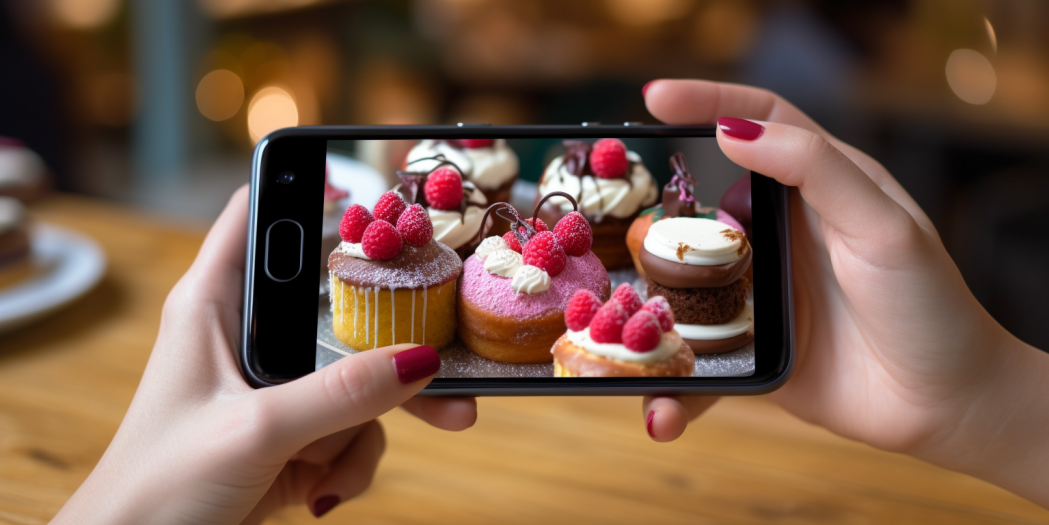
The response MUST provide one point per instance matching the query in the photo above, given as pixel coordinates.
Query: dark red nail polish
(648, 423)
(738, 128)
(415, 364)
(644, 88)
(324, 504)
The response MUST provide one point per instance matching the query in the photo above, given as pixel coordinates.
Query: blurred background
(158, 103)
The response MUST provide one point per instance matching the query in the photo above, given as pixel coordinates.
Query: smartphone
(538, 260)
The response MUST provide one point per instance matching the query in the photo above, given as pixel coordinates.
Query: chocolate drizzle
(678, 195)
(508, 213)
(412, 183)
(577, 163)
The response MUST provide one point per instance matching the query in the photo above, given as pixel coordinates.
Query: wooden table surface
(66, 381)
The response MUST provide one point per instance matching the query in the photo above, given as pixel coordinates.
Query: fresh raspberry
(581, 309)
(390, 207)
(477, 143)
(354, 221)
(543, 251)
(444, 189)
(415, 226)
(381, 241)
(641, 333)
(627, 297)
(659, 307)
(574, 234)
(607, 324)
(608, 159)
(511, 240)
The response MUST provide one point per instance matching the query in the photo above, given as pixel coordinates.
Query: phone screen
(639, 265)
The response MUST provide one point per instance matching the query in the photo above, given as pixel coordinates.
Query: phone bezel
(302, 151)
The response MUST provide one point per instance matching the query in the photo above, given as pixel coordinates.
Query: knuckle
(347, 387)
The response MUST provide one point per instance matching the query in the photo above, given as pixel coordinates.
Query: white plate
(68, 266)
(364, 183)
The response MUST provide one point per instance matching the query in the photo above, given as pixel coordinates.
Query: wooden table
(66, 381)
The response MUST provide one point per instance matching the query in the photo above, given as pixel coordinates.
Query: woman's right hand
(892, 347)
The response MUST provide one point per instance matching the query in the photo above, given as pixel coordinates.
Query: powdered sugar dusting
(431, 264)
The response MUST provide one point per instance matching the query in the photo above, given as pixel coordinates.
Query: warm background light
(270, 109)
(647, 12)
(990, 35)
(971, 76)
(220, 94)
(84, 14)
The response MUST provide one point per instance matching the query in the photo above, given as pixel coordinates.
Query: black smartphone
(537, 260)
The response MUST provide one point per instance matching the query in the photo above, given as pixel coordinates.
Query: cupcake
(390, 281)
(515, 287)
(622, 338)
(611, 186)
(489, 164)
(15, 261)
(455, 206)
(678, 201)
(698, 265)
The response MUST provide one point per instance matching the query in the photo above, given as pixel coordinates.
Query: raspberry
(415, 226)
(354, 221)
(581, 309)
(543, 251)
(659, 307)
(627, 297)
(390, 207)
(574, 234)
(444, 189)
(608, 159)
(511, 240)
(476, 143)
(607, 324)
(641, 333)
(381, 241)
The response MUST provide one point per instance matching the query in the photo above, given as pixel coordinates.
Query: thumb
(346, 393)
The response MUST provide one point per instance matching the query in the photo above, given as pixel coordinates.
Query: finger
(344, 394)
(667, 417)
(702, 102)
(838, 190)
(224, 247)
(446, 413)
(327, 448)
(351, 472)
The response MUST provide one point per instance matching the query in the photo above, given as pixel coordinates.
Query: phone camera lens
(286, 178)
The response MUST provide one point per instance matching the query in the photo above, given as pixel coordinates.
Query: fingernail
(415, 364)
(324, 504)
(648, 423)
(644, 88)
(738, 128)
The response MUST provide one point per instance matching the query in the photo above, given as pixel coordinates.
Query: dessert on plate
(15, 260)
(390, 281)
(611, 185)
(621, 338)
(698, 265)
(678, 201)
(515, 287)
(489, 164)
(455, 206)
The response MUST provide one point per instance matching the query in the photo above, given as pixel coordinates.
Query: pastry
(392, 284)
(515, 287)
(698, 265)
(489, 164)
(455, 206)
(23, 174)
(621, 338)
(611, 186)
(678, 201)
(15, 260)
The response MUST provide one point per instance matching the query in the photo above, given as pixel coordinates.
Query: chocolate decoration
(679, 275)
(508, 213)
(419, 261)
(576, 163)
(718, 346)
(413, 181)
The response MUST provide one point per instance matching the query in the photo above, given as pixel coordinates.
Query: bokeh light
(84, 14)
(220, 94)
(971, 76)
(990, 35)
(270, 109)
(647, 12)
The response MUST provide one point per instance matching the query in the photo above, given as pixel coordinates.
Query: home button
(283, 259)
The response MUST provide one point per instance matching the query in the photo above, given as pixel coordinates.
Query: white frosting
(488, 168)
(12, 214)
(489, 245)
(352, 249)
(690, 240)
(20, 166)
(530, 279)
(598, 197)
(450, 228)
(668, 345)
(715, 332)
(503, 263)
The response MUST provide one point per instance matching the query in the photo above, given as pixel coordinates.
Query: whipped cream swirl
(530, 279)
(620, 198)
(503, 263)
(488, 167)
(668, 345)
(453, 229)
(490, 245)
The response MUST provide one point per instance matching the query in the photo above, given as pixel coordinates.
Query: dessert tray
(68, 266)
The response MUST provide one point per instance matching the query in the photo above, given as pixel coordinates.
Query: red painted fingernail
(648, 423)
(738, 128)
(644, 88)
(324, 504)
(415, 364)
